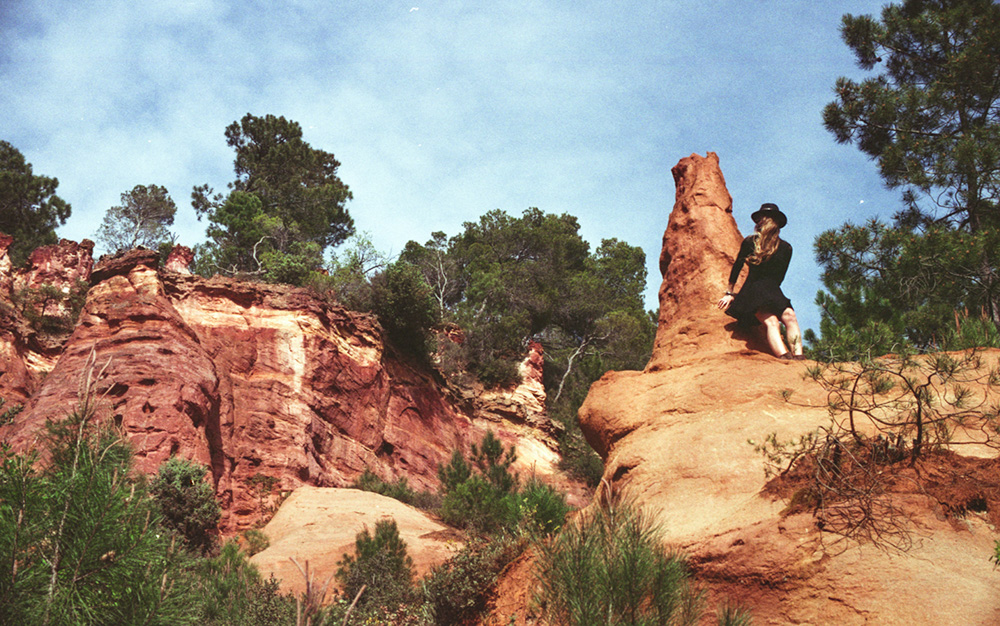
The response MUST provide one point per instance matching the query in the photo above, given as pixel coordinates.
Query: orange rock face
(676, 436)
(699, 247)
(260, 381)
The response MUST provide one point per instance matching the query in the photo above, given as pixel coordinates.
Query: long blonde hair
(765, 240)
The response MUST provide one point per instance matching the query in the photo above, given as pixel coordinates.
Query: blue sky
(440, 111)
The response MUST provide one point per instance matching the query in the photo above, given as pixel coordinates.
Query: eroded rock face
(26, 356)
(699, 247)
(262, 381)
(676, 436)
(61, 265)
(179, 259)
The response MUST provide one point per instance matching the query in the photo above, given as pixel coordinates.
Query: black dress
(762, 289)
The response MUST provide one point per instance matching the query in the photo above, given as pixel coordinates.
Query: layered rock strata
(262, 383)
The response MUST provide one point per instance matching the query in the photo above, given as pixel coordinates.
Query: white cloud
(439, 115)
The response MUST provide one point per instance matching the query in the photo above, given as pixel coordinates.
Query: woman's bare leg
(792, 329)
(772, 326)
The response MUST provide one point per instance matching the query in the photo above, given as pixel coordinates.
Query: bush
(542, 507)
(404, 304)
(256, 541)
(399, 490)
(232, 593)
(381, 565)
(83, 535)
(478, 505)
(187, 502)
(488, 500)
(610, 568)
(484, 501)
(458, 590)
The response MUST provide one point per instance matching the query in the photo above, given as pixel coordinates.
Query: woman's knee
(769, 320)
(788, 317)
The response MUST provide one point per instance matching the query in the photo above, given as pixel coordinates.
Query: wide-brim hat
(771, 210)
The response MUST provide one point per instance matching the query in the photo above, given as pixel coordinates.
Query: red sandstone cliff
(676, 436)
(248, 379)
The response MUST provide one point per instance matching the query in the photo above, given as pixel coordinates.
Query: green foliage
(928, 117)
(399, 490)
(381, 566)
(230, 592)
(478, 505)
(485, 496)
(486, 499)
(187, 502)
(891, 287)
(256, 541)
(30, 210)
(49, 310)
(8, 414)
(506, 281)
(458, 590)
(263, 486)
(286, 208)
(494, 462)
(610, 567)
(79, 538)
(456, 472)
(405, 308)
(542, 507)
(141, 219)
(350, 273)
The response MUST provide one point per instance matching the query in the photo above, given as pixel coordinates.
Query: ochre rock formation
(26, 356)
(675, 436)
(318, 526)
(699, 246)
(260, 380)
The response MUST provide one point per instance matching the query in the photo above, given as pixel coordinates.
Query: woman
(761, 300)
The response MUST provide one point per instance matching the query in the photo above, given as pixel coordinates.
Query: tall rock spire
(699, 247)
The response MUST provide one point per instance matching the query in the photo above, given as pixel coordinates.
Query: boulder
(319, 526)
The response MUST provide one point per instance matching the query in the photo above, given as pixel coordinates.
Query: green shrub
(381, 565)
(485, 500)
(399, 490)
(495, 372)
(542, 507)
(456, 472)
(480, 506)
(263, 485)
(256, 541)
(459, 590)
(83, 533)
(405, 307)
(610, 568)
(9, 414)
(187, 502)
(485, 497)
(232, 593)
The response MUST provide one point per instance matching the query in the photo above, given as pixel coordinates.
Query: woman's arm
(734, 274)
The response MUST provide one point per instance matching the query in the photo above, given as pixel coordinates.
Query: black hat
(772, 211)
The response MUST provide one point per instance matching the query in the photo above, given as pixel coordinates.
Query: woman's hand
(725, 301)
